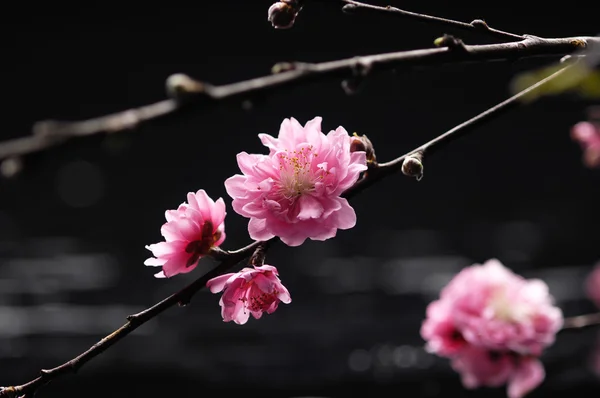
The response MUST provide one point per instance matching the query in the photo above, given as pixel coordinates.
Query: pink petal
(189, 229)
(171, 232)
(164, 248)
(257, 229)
(309, 207)
(265, 284)
(283, 294)
(155, 262)
(269, 141)
(204, 203)
(256, 314)
(218, 213)
(177, 264)
(267, 268)
(218, 283)
(236, 186)
(528, 375)
(346, 216)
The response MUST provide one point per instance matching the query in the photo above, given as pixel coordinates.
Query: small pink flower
(482, 368)
(294, 191)
(489, 309)
(588, 136)
(190, 232)
(250, 291)
(592, 285)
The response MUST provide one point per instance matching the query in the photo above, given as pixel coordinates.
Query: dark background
(74, 223)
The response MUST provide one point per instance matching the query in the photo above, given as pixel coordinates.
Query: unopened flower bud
(413, 167)
(283, 13)
(363, 143)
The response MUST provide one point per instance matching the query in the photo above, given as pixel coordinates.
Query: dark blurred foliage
(74, 223)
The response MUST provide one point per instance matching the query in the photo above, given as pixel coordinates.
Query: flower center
(296, 173)
(259, 301)
(508, 311)
(202, 246)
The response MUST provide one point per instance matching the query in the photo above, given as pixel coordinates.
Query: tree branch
(383, 170)
(186, 92)
(476, 25)
(133, 322)
(228, 259)
(581, 321)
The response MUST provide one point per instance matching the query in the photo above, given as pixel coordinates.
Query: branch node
(184, 303)
(180, 86)
(281, 67)
(479, 24)
(363, 143)
(451, 42)
(259, 255)
(45, 372)
(218, 254)
(360, 70)
(412, 166)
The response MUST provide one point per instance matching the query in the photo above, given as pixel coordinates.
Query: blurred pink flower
(587, 134)
(190, 232)
(294, 191)
(488, 309)
(482, 368)
(250, 291)
(592, 285)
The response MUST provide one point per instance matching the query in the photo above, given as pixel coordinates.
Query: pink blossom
(488, 309)
(190, 232)
(482, 368)
(250, 291)
(588, 136)
(294, 191)
(592, 285)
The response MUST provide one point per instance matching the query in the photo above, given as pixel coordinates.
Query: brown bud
(363, 143)
(413, 166)
(283, 13)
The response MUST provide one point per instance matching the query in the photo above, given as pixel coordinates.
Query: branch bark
(188, 93)
(581, 321)
(476, 25)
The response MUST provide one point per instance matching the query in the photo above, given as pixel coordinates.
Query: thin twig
(581, 321)
(476, 25)
(229, 259)
(188, 92)
(384, 169)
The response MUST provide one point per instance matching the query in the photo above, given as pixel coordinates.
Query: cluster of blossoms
(293, 193)
(493, 325)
